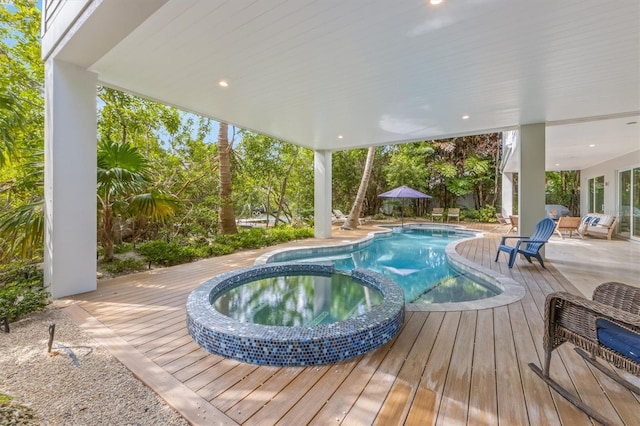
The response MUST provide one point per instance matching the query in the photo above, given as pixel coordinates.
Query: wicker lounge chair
(528, 246)
(606, 327)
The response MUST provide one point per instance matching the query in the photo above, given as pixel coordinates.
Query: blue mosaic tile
(287, 346)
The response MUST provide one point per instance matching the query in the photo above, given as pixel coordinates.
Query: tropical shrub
(123, 266)
(167, 254)
(484, 214)
(22, 290)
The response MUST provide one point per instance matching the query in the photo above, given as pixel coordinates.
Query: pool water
(298, 300)
(415, 259)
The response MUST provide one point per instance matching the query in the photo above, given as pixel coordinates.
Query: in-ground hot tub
(317, 338)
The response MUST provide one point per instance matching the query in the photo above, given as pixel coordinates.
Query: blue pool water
(415, 259)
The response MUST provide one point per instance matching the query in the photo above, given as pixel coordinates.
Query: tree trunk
(226, 217)
(283, 188)
(106, 229)
(354, 214)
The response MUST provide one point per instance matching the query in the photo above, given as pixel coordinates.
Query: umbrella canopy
(404, 192)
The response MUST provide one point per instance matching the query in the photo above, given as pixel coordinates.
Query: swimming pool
(423, 261)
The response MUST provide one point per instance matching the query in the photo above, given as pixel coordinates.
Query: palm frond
(121, 168)
(156, 205)
(23, 228)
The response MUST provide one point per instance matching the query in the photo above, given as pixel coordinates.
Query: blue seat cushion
(619, 339)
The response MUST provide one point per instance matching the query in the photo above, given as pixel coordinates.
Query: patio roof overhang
(336, 75)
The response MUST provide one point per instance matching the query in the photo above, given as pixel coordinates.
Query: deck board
(256, 400)
(456, 389)
(365, 410)
(512, 408)
(399, 401)
(483, 399)
(443, 368)
(350, 389)
(304, 410)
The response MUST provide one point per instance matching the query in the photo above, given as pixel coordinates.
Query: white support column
(531, 178)
(70, 179)
(322, 194)
(507, 194)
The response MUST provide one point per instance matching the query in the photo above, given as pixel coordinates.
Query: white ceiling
(380, 72)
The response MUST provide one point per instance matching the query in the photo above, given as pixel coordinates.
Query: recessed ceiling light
(465, 117)
(592, 145)
(340, 136)
(223, 83)
(435, 1)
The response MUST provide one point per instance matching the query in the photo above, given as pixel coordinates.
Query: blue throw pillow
(619, 339)
(595, 221)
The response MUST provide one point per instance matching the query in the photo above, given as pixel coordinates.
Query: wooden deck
(443, 368)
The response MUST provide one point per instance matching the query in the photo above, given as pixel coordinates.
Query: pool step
(433, 287)
(317, 320)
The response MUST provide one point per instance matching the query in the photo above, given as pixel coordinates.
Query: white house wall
(608, 169)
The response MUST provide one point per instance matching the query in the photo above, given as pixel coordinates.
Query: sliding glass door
(629, 203)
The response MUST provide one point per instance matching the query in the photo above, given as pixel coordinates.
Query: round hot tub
(293, 314)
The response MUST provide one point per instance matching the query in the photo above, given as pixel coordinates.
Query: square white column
(322, 193)
(70, 179)
(531, 178)
(507, 194)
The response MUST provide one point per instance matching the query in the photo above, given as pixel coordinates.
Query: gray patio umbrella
(403, 192)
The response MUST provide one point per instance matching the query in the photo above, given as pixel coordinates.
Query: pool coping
(512, 291)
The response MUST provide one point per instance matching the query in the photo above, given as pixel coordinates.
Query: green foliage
(123, 266)
(12, 413)
(217, 249)
(484, 214)
(347, 168)
(21, 129)
(172, 253)
(22, 230)
(407, 165)
(564, 188)
(167, 254)
(122, 248)
(21, 290)
(272, 175)
(123, 180)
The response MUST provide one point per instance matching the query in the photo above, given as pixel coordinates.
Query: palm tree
(11, 118)
(122, 182)
(22, 227)
(354, 214)
(226, 217)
